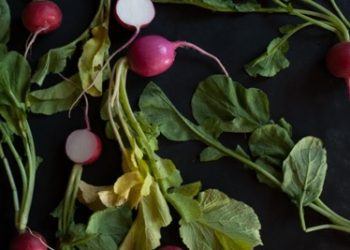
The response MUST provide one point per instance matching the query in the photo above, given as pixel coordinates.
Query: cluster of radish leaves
(274, 59)
(14, 125)
(220, 105)
(150, 184)
(95, 42)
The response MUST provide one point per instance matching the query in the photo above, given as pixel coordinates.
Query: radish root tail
(184, 44)
(30, 41)
(40, 239)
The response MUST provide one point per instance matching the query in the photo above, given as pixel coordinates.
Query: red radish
(152, 55)
(338, 62)
(29, 241)
(170, 248)
(40, 17)
(83, 146)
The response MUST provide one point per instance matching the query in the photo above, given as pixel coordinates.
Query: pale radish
(152, 55)
(40, 17)
(83, 146)
(133, 15)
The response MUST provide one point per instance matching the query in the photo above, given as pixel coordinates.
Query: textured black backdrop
(305, 94)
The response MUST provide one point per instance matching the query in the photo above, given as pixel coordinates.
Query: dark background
(305, 94)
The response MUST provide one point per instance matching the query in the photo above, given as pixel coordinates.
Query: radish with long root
(133, 15)
(83, 147)
(40, 17)
(338, 62)
(152, 55)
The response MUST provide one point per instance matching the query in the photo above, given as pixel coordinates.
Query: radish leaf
(220, 225)
(5, 21)
(305, 171)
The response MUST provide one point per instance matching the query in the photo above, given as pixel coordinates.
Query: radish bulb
(29, 241)
(133, 15)
(152, 55)
(83, 146)
(338, 62)
(40, 17)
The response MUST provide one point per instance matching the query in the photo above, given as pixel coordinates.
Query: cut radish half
(134, 14)
(83, 146)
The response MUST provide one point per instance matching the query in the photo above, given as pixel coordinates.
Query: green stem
(70, 198)
(124, 100)
(328, 226)
(340, 13)
(333, 216)
(299, 14)
(16, 155)
(342, 28)
(11, 180)
(28, 144)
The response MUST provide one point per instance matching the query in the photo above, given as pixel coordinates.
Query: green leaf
(14, 84)
(55, 60)
(272, 143)
(153, 214)
(225, 224)
(57, 98)
(286, 125)
(110, 227)
(151, 130)
(160, 111)
(305, 171)
(5, 21)
(218, 5)
(235, 108)
(95, 52)
(3, 50)
(186, 206)
(210, 154)
(274, 59)
(190, 190)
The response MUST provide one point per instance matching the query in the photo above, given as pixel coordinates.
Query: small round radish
(42, 16)
(29, 241)
(170, 248)
(83, 146)
(152, 55)
(338, 61)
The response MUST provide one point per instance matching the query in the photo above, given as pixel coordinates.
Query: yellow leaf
(89, 195)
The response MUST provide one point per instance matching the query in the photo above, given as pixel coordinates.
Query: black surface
(305, 94)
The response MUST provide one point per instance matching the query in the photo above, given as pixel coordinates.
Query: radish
(40, 17)
(170, 248)
(338, 62)
(133, 15)
(152, 55)
(29, 241)
(83, 146)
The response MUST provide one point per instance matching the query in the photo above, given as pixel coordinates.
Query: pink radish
(40, 17)
(338, 62)
(29, 241)
(133, 15)
(83, 146)
(170, 248)
(152, 55)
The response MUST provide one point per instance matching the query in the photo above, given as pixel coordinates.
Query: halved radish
(83, 146)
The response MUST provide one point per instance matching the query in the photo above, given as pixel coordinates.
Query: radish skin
(83, 147)
(153, 55)
(40, 17)
(29, 241)
(170, 248)
(338, 62)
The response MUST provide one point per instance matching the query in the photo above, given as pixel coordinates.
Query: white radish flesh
(83, 146)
